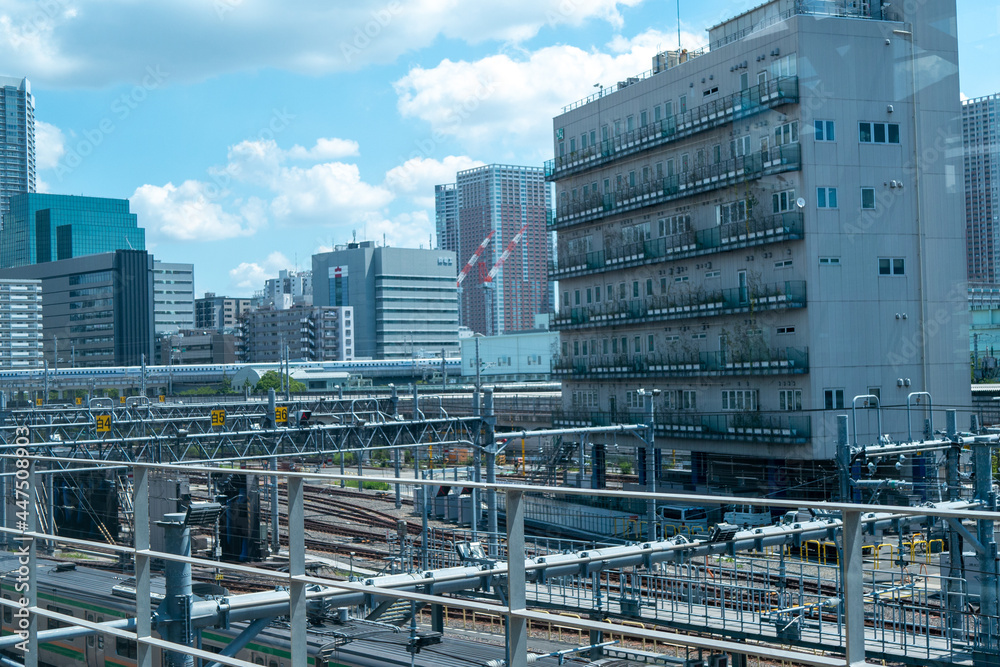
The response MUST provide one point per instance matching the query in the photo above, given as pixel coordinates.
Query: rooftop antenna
(678, 25)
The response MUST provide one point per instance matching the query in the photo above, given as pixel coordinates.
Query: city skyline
(277, 153)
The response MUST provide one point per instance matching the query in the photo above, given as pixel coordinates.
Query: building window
(635, 289)
(826, 197)
(739, 399)
(831, 261)
(783, 201)
(740, 146)
(825, 130)
(785, 330)
(649, 287)
(878, 133)
(680, 399)
(786, 134)
(833, 399)
(650, 345)
(868, 199)
(783, 264)
(790, 399)
(891, 266)
(713, 274)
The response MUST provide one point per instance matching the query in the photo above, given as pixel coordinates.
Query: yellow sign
(38, 401)
(501, 459)
(121, 399)
(103, 423)
(219, 417)
(281, 415)
(79, 400)
(163, 399)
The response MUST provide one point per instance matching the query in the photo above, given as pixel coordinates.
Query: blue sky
(250, 134)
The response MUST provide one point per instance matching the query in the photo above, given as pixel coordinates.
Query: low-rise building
(309, 333)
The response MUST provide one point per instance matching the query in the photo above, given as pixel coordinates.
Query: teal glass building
(46, 228)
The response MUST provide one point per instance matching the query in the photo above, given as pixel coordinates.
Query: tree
(272, 380)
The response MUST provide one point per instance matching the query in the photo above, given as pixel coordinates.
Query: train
(99, 595)
(181, 374)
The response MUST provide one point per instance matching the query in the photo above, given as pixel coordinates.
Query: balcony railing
(697, 179)
(738, 426)
(741, 361)
(777, 296)
(759, 231)
(707, 116)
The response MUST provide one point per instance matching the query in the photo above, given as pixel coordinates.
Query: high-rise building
(97, 310)
(446, 216)
(46, 228)
(404, 299)
(173, 297)
(505, 201)
(219, 312)
(17, 138)
(20, 323)
(700, 204)
(309, 333)
(981, 136)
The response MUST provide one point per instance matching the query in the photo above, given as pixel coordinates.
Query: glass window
(868, 198)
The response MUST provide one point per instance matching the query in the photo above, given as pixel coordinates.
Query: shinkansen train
(184, 374)
(99, 596)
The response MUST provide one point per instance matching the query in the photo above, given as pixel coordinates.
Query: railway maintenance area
(406, 529)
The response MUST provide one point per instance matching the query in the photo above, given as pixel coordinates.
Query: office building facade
(47, 228)
(198, 347)
(309, 333)
(404, 299)
(173, 297)
(981, 138)
(509, 202)
(17, 137)
(96, 310)
(20, 323)
(700, 205)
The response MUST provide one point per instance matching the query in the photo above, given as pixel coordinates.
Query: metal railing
(704, 117)
(702, 178)
(748, 359)
(693, 303)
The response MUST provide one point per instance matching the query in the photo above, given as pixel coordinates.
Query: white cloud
(418, 176)
(73, 43)
(325, 192)
(407, 230)
(187, 213)
(500, 96)
(326, 149)
(314, 193)
(249, 276)
(50, 145)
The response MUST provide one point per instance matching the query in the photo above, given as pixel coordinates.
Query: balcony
(710, 115)
(694, 303)
(699, 179)
(740, 426)
(750, 360)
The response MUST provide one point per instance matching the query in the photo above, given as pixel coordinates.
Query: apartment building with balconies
(765, 230)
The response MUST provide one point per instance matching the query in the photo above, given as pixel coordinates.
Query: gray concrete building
(20, 323)
(173, 297)
(404, 299)
(220, 312)
(198, 347)
(97, 310)
(309, 333)
(762, 233)
(981, 138)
